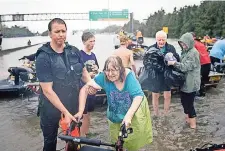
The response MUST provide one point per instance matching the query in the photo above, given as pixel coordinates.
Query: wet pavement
(10, 43)
(20, 130)
(171, 133)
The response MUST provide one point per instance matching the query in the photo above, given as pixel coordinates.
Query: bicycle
(210, 147)
(75, 142)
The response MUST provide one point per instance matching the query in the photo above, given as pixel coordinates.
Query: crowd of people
(68, 76)
(69, 79)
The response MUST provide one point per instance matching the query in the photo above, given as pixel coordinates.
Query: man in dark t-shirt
(91, 64)
(59, 69)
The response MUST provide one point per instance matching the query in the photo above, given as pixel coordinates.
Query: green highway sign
(106, 15)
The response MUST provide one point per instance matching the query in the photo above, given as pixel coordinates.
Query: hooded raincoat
(190, 64)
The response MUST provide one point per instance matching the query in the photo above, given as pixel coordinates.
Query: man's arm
(85, 76)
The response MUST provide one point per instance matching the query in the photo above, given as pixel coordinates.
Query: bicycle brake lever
(123, 128)
(124, 132)
(79, 123)
(72, 126)
(129, 130)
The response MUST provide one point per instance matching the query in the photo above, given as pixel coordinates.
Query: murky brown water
(19, 126)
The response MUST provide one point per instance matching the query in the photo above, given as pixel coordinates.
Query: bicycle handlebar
(83, 140)
(95, 142)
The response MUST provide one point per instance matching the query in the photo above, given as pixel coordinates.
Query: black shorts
(90, 104)
(159, 84)
(161, 88)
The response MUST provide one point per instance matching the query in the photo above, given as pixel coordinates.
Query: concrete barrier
(6, 51)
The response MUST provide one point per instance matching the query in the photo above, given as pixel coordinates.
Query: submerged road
(20, 130)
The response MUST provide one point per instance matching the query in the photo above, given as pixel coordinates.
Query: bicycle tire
(70, 146)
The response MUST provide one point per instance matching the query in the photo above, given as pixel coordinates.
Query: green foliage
(207, 18)
(110, 29)
(16, 31)
(45, 33)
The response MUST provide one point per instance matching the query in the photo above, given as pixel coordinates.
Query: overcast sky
(141, 8)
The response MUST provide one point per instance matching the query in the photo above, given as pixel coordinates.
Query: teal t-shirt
(119, 101)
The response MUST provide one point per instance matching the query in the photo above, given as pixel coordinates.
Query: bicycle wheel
(71, 146)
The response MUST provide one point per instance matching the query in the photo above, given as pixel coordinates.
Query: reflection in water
(9, 43)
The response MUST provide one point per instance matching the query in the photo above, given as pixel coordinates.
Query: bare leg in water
(192, 122)
(84, 130)
(187, 118)
(167, 100)
(155, 103)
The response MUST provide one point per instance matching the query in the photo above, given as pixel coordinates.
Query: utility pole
(132, 22)
(90, 25)
(1, 33)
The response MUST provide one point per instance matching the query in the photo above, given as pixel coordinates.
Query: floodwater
(20, 130)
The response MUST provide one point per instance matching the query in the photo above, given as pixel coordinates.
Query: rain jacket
(204, 55)
(218, 50)
(190, 65)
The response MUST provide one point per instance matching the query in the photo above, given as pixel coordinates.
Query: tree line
(16, 31)
(206, 19)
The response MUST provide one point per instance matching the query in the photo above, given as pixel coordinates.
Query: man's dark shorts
(159, 85)
(90, 104)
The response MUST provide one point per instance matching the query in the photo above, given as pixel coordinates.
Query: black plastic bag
(143, 78)
(174, 77)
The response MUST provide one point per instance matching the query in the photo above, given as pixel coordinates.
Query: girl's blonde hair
(123, 40)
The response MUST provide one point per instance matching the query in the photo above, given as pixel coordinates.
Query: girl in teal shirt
(126, 103)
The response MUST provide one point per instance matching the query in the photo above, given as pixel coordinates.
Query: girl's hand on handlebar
(78, 116)
(127, 121)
